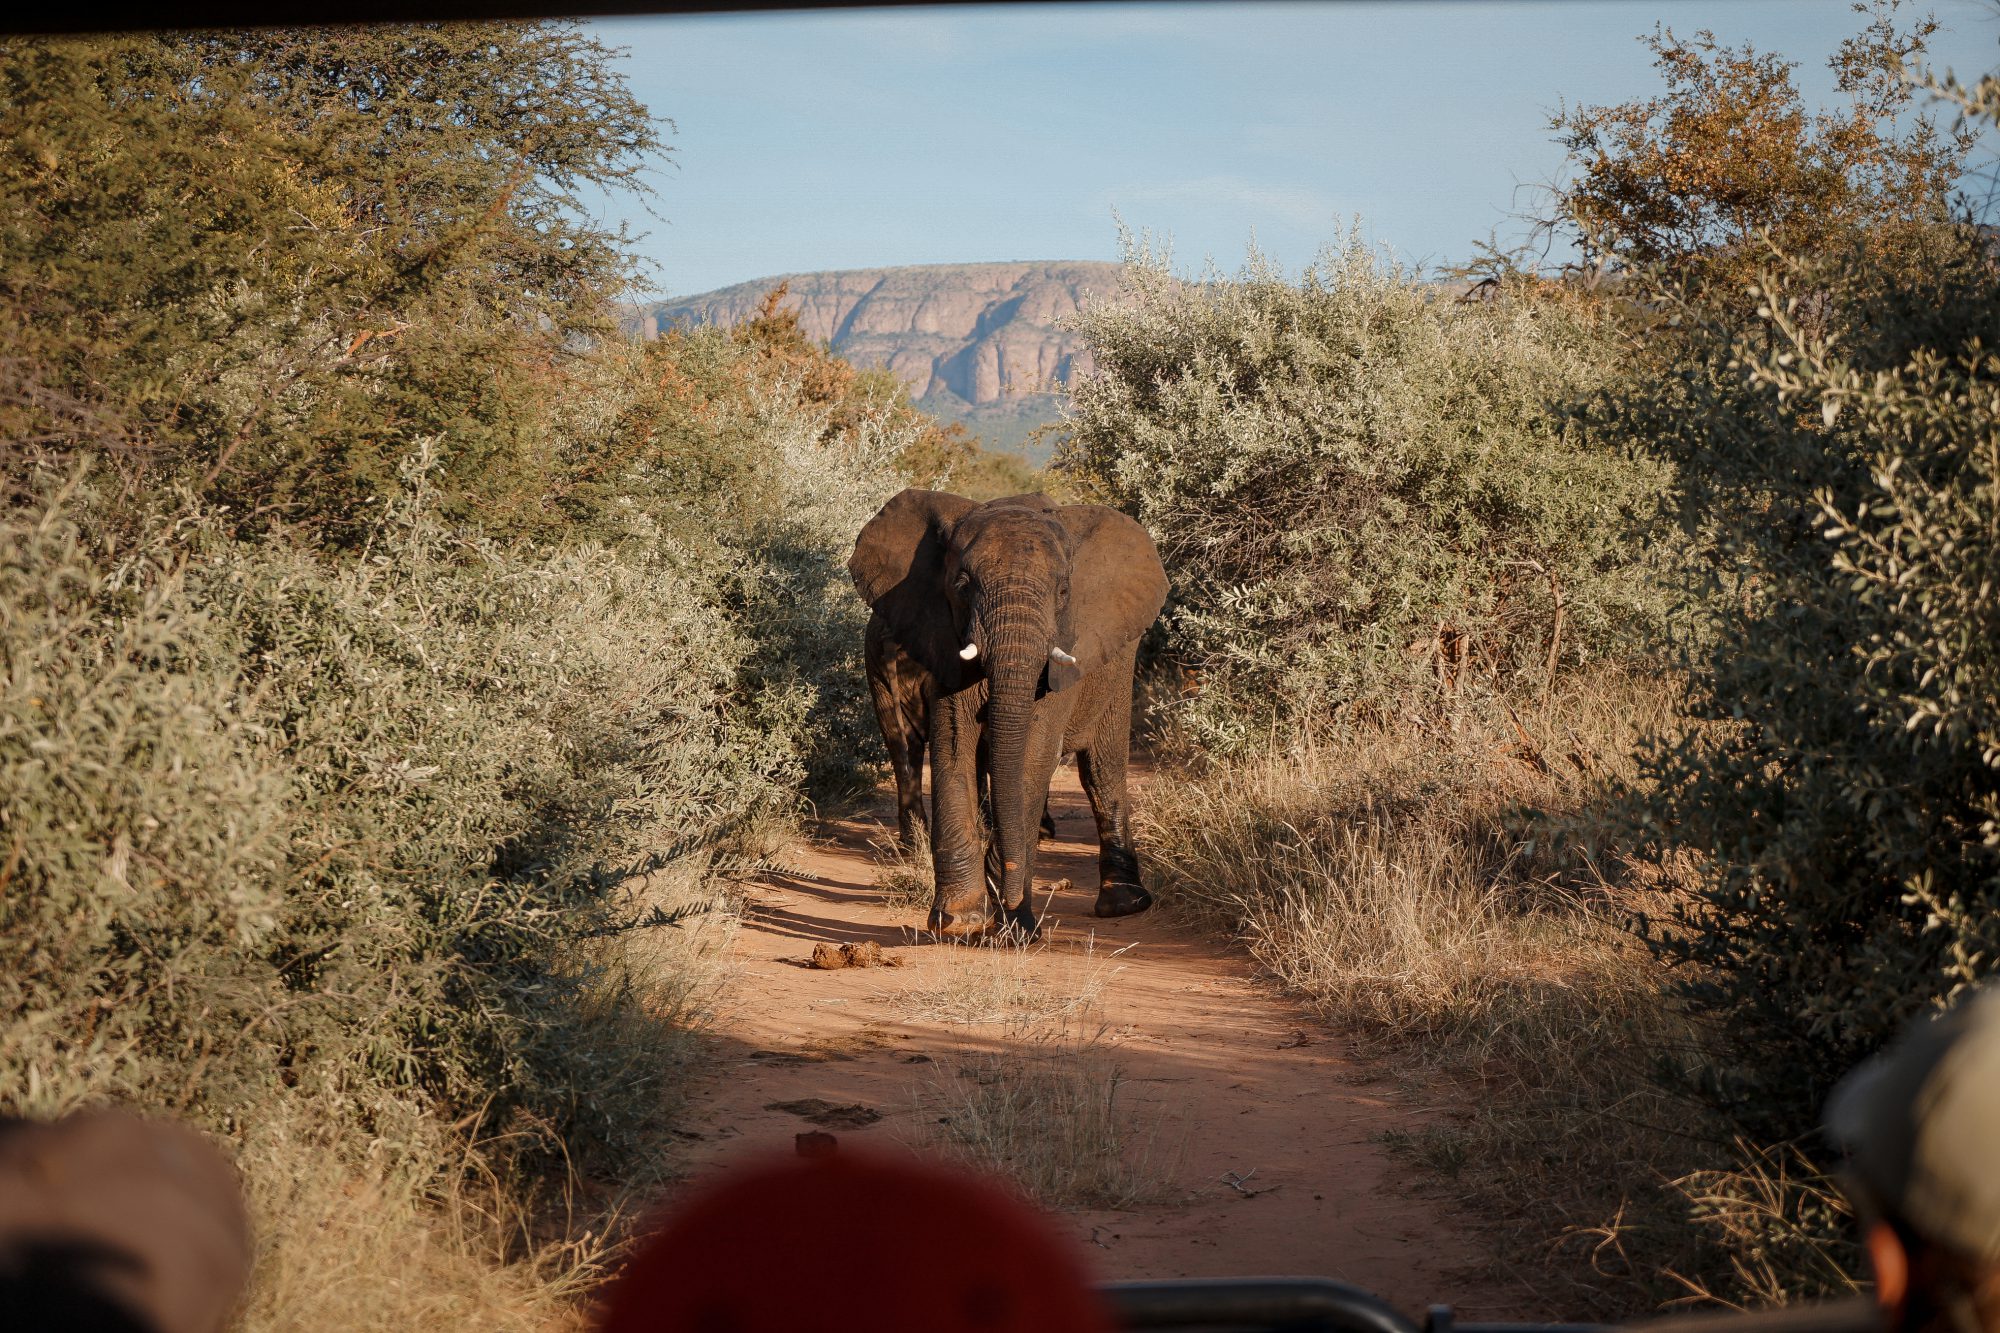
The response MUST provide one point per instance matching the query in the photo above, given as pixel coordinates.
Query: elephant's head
(1025, 593)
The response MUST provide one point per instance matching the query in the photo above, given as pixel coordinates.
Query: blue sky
(861, 138)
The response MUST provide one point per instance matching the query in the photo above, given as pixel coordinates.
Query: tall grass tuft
(1452, 895)
(1051, 1111)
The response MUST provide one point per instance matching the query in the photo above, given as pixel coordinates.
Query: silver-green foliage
(350, 829)
(1350, 475)
(404, 614)
(142, 816)
(795, 589)
(755, 489)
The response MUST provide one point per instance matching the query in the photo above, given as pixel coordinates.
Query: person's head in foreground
(853, 1243)
(110, 1223)
(1920, 1124)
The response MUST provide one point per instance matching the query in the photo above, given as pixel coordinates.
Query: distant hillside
(976, 343)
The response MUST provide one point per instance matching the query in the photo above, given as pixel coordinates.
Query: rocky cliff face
(983, 336)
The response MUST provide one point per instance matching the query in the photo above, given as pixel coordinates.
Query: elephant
(1006, 633)
(901, 690)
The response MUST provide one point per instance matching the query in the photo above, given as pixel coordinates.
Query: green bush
(484, 739)
(1811, 362)
(145, 827)
(697, 444)
(403, 620)
(795, 593)
(1363, 489)
(404, 662)
(1837, 787)
(349, 827)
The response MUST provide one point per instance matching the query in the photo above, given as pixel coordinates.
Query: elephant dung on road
(1003, 637)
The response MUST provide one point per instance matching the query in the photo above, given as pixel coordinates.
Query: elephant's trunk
(1017, 639)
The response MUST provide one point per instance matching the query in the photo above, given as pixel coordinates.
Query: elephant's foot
(1020, 921)
(959, 923)
(1048, 827)
(1119, 899)
(991, 920)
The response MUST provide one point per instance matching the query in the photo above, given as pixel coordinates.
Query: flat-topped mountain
(976, 343)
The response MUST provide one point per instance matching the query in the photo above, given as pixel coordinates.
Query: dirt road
(1258, 1133)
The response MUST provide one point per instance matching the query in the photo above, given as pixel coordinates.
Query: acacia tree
(275, 257)
(1728, 161)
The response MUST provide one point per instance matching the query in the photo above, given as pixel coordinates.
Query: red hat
(853, 1242)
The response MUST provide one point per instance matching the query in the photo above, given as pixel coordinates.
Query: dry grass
(1780, 1225)
(1398, 877)
(1006, 980)
(905, 878)
(344, 1246)
(1050, 1110)
(1449, 892)
(1043, 1100)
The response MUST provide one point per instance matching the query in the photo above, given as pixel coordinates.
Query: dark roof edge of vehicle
(52, 20)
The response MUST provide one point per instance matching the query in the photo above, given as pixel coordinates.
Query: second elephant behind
(1008, 632)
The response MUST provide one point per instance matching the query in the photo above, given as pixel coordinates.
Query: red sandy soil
(1239, 1080)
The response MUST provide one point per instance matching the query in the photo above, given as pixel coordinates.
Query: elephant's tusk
(1058, 655)
(967, 653)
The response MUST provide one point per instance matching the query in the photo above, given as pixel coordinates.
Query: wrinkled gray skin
(902, 693)
(1025, 582)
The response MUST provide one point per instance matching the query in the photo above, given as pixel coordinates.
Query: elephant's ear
(898, 568)
(1117, 587)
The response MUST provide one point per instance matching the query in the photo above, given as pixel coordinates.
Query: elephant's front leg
(903, 728)
(1047, 830)
(899, 691)
(960, 904)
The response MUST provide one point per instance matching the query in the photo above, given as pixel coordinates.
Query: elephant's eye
(962, 582)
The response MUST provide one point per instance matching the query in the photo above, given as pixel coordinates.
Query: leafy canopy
(262, 261)
(1729, 158)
